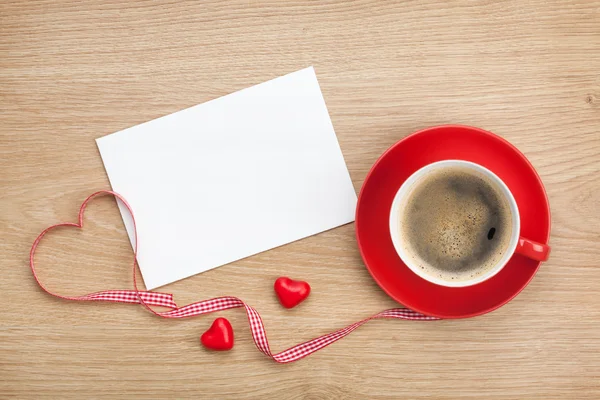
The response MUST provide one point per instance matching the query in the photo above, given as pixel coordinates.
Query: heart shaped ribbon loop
(149, 299)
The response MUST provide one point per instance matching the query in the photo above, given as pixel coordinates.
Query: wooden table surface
(72, 71)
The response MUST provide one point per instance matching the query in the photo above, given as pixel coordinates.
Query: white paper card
(230, 178)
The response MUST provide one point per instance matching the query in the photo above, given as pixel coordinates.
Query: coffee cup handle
(534, 250)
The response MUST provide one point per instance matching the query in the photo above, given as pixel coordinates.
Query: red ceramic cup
(517, 244)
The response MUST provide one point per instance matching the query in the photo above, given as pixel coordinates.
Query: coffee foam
(446, 222)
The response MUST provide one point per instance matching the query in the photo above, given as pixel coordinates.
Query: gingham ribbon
(148, 299)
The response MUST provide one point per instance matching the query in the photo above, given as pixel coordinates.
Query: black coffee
(456, 224)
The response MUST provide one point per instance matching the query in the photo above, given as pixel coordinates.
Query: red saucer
(402, 160)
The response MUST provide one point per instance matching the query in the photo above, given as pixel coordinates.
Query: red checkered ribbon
(148, 299)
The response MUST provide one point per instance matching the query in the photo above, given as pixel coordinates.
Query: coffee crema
(456, 224)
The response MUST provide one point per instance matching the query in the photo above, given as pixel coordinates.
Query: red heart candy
(219, 336)
(291, 292)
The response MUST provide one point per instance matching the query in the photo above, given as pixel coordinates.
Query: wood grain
(72, 71)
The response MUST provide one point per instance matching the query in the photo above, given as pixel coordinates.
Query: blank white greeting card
(230, 178)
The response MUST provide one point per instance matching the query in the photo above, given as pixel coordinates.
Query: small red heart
(291, 292)
(219, 336)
